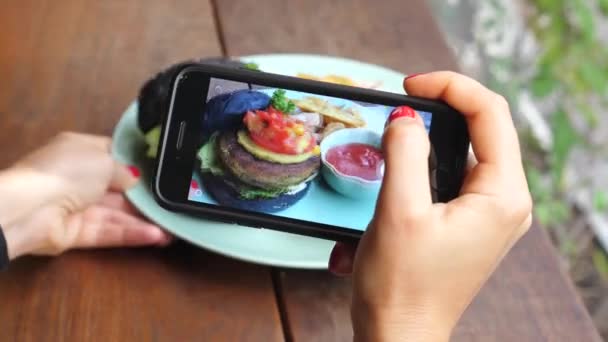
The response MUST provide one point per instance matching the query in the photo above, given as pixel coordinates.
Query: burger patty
(226, 195)
(262, 173)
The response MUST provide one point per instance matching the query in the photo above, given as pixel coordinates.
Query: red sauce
(360, 160)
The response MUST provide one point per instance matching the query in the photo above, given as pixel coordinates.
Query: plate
(261, 246)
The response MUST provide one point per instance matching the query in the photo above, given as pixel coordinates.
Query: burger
(259, 157)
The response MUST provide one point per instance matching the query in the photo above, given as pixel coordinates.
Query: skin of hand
(420, 264)
(69, 194)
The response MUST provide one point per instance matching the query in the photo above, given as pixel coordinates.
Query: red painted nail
(134, 171)
(194, 184)
(402, 112)
(340, 262)
(413, 75)
(334, 258)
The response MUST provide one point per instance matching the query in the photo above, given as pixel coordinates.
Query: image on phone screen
(291, 154)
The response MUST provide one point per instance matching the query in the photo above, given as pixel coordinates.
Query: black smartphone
(291, 154)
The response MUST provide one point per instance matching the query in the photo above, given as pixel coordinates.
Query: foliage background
(550, 59)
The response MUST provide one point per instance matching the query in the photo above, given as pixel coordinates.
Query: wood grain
(398, 34)
(77, 64)
(177, 294)
(528, 299)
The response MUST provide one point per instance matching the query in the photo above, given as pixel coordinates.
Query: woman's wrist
(17, 241)
(416, 324)
(22, 191)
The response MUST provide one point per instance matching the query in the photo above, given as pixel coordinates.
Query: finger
(105, 227)
(98, 141)
(406, 187)
(468, 171)
(116, 200)
(123, 177)
(342, 259)
(102, 142)
(491, 128)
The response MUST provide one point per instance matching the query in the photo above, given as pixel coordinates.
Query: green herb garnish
(252, 66)
(152, 139)
(281, 102)
(251, 193)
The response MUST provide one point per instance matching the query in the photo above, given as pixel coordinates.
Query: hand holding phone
(420, 263)
(290, 154)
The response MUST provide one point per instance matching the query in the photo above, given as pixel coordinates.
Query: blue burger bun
(226, 196)
(226, 111)
(153, 98)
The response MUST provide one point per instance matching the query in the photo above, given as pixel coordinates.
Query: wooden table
(76, 64)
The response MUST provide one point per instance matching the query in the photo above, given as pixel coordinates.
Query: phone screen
(291, 154)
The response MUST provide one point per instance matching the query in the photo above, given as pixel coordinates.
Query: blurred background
(550, 59)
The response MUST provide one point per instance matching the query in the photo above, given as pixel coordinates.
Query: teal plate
(261, 246)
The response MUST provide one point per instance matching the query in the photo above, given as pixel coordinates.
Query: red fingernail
(401, 112)
(134, 171)
(334, 256)
(338, 264)
(413, 75)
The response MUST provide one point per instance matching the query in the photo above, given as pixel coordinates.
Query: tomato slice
(277, 132)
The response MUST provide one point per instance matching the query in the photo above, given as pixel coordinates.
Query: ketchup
(359, 160)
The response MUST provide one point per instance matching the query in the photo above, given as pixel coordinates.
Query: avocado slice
(152, 138)
(264, 154)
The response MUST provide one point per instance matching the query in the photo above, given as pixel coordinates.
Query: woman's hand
(68, 194)
(420, 264)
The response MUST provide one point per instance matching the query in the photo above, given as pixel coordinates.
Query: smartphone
(291, 154)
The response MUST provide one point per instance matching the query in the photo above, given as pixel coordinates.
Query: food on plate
(332, 127)
(153, 99)
(264, 162)
(358, 160)
(226, 111)
(281, 103)
(330, 79)
(350, 117)
(337, 79)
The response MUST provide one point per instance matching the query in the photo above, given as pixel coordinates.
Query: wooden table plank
(528, 299)
(394, 33)
(176, 294)
(77, 64)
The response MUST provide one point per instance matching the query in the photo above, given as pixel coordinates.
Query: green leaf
(542, 213)
(551, 212)
(584, 18)
(593, 76)
(543, 86)
(603, 6)
(252, 66)
(565, 137)
(600, 200)
(588, 113)
(537, 188)
(600, 261)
